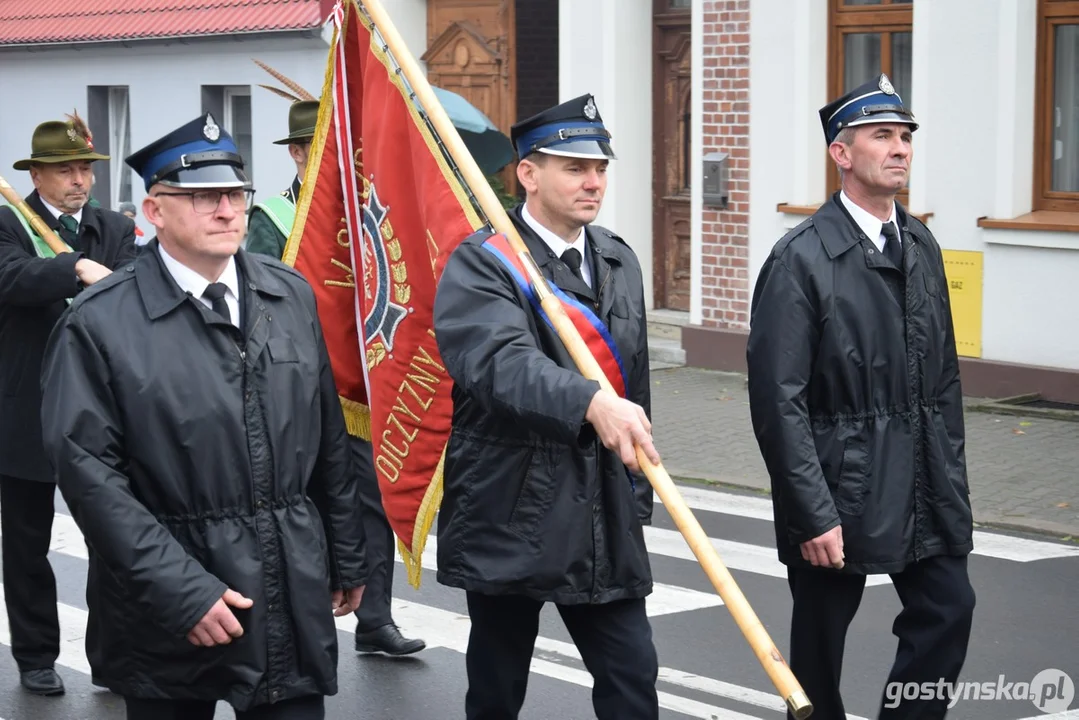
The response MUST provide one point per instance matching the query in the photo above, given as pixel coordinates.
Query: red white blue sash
(592, 330)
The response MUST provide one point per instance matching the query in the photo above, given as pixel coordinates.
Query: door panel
(671, 155)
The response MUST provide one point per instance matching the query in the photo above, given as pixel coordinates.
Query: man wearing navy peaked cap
(572, 129)
(543, 500)
(196, 432)
(857, 406)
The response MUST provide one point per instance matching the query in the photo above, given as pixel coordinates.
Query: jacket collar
(91, 216)
(603, 253)
(839, 232)
(293, 192)
(161, 295)
(36, 204)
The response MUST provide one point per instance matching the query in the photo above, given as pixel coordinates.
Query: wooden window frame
(1051, 13)
(886, 18)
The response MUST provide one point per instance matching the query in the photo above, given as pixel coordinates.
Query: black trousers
(26, 510)
(615, 641)
(933, 631)
(306, 708)
(374, 610)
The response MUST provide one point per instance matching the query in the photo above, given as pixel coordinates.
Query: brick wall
(537, 56)
(725, 283)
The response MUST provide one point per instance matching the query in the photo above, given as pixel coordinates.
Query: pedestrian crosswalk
(440, 618)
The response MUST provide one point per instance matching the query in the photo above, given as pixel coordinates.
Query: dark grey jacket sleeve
(334, 486)
(484, 338)
(25, 278)
(84, 437)
(782, 344)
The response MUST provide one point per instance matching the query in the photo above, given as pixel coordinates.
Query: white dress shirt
(194, 284)
(869, 224)
(558, 245)
(57, 212)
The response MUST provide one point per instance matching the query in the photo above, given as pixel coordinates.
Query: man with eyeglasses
(35, 288)
(191, 413)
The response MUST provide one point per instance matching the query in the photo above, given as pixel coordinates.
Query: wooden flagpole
(747, 620)
(55, 243)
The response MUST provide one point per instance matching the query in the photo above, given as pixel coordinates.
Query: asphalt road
(1026, 621)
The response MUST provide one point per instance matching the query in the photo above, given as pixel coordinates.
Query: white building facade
(693, 91)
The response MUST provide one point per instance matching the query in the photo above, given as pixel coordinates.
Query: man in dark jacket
(36, 286)
(191, 412)
(268, 231)
(857, 407)
(535, 508)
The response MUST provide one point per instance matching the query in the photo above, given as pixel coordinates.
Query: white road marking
(735, 555)
(1003, 547)
(72, 635)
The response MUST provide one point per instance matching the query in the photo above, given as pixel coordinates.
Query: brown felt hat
(57, 141)
(302, 118)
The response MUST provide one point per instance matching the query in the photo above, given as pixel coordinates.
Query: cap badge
(211, 131)
(885, 85)
(590, 109)
(72, 135)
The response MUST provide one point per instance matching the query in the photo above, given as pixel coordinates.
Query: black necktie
(216, 294)
(572, 258)
(893, 247)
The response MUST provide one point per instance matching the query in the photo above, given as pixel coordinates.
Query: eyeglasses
(206, 202)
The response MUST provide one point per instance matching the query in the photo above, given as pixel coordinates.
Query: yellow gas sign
(964, 271)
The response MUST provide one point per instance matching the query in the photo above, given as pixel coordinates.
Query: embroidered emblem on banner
(385, 276)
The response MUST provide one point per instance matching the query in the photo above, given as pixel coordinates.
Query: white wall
(787, 84)
(605, 48)
(973, 93)
(410, 19)
(164, 82)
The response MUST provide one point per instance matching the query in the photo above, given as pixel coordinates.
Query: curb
(982, 521)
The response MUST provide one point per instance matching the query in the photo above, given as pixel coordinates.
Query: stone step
(667, 324)
(666, 351)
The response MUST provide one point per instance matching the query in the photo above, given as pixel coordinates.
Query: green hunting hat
(302, 118)
(57, 141)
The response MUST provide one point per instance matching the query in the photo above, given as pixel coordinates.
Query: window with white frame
(108, 115)
(120, 141)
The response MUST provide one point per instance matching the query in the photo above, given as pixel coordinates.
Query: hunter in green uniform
(270, 223)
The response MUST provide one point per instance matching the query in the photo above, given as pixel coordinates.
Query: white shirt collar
(869, 224)
(557, 244)
(57, 212)
(191, 282)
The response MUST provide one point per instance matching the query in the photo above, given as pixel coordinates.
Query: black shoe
(387, 639)
(42, 682)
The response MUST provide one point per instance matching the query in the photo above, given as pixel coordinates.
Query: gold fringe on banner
(425, 518)
(357, 418)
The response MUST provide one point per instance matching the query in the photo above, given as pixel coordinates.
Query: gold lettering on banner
(415, 397)
(348, 282)
(343, 232)
(390, 466)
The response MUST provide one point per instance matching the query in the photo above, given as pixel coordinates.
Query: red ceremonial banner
(379, 214)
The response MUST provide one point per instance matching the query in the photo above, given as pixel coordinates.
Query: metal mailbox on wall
(716, 180)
